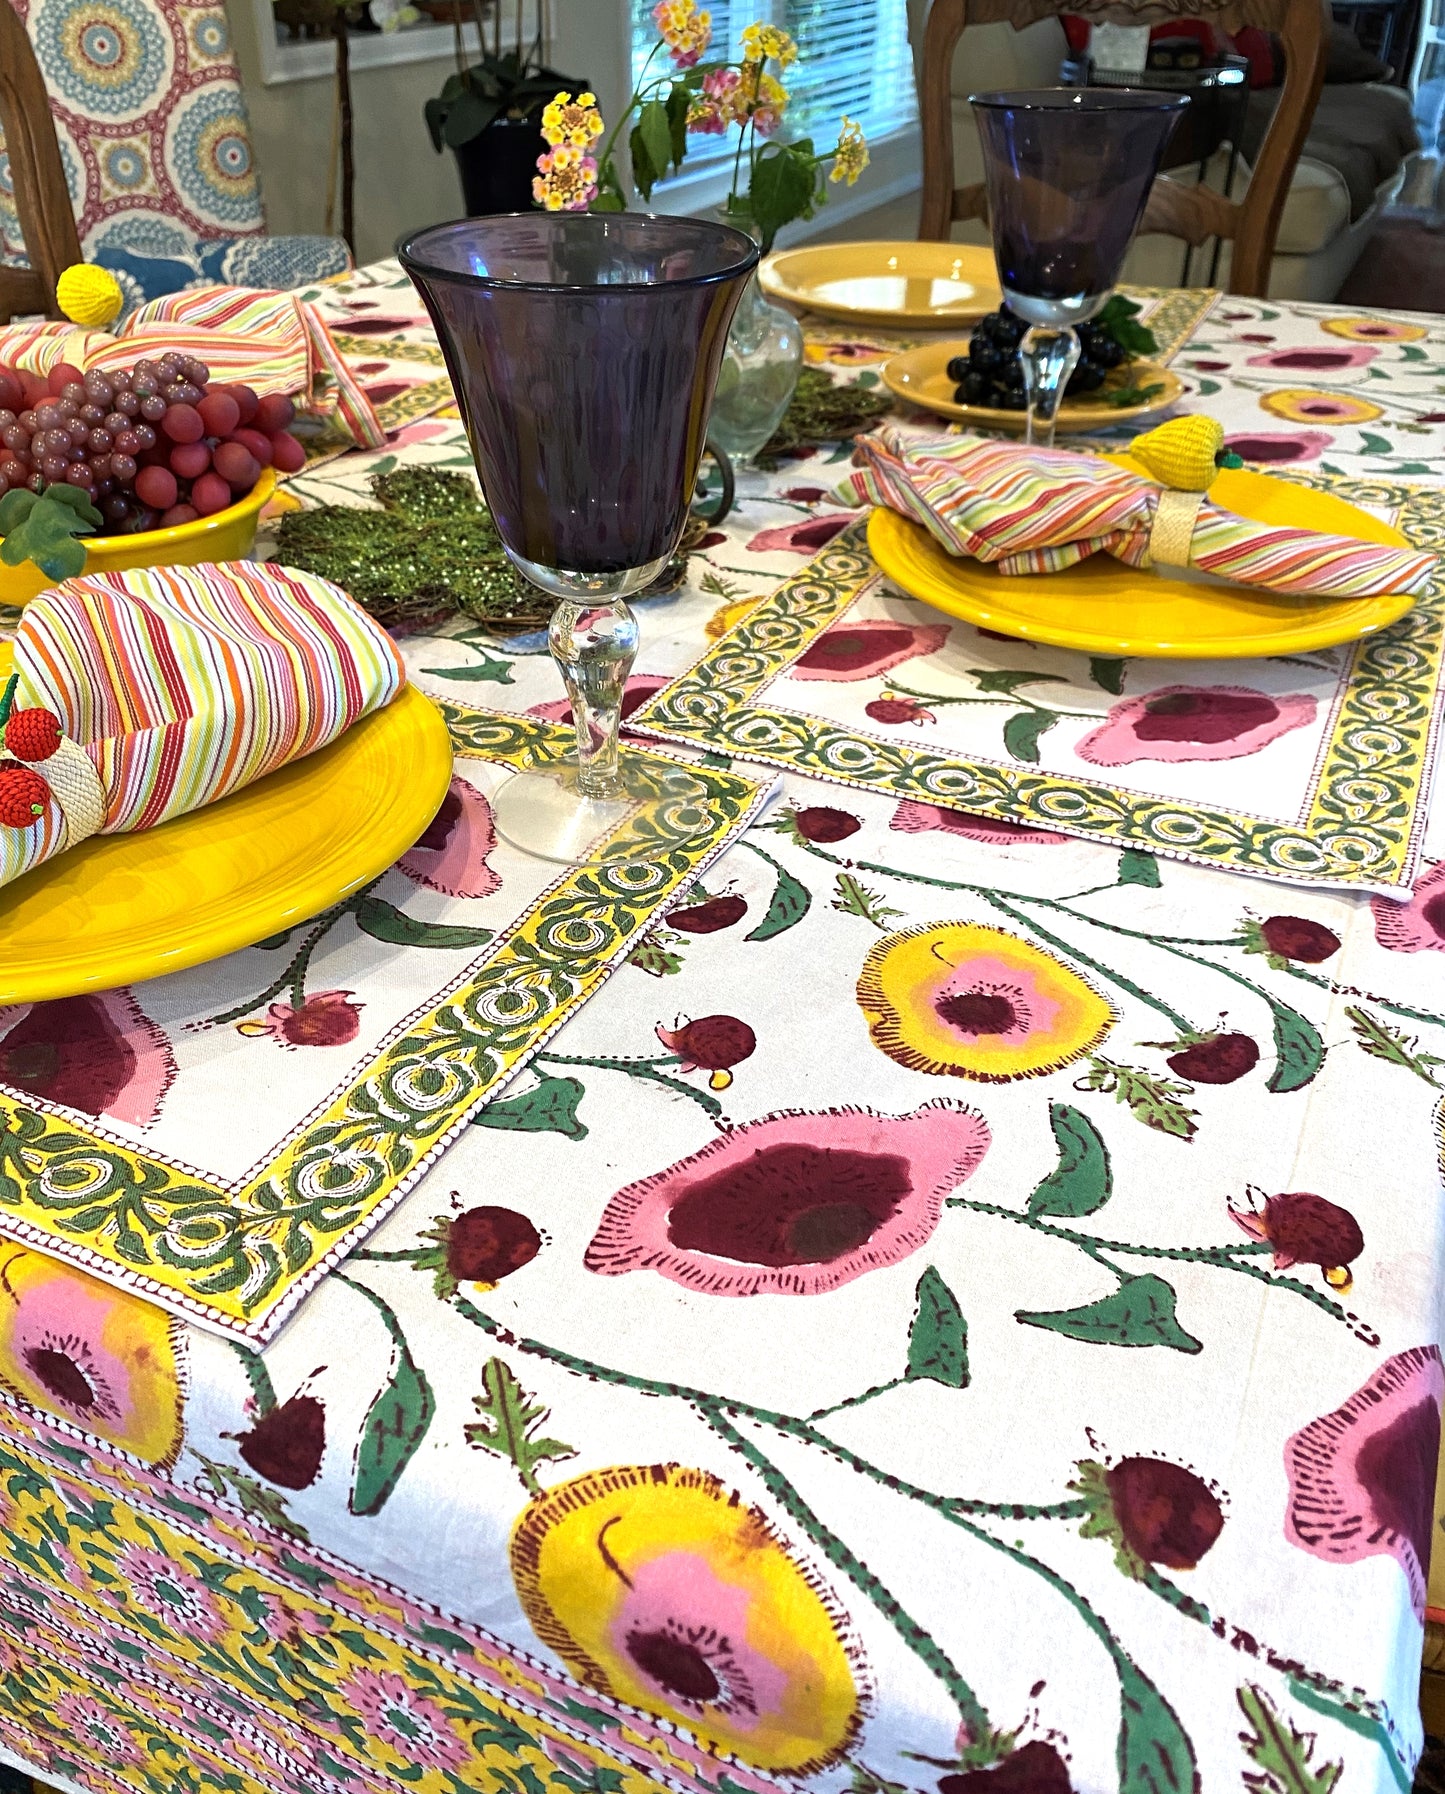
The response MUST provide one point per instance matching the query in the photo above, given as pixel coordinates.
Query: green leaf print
(1151, 1099)
(1001, 679)
(1137, 868)
(789, 905)
(490, 670)
(1139, 1313)
(1299, 1051)
(1154, 1754)
(855, 899)
(383, 921)
(397, 1420)
(510, 1418)
(549, 1107)
(1282, 1753)
(1021, 733)
(1370, 444)
(938, 1338)
(1107, 672)
(1083, 1179)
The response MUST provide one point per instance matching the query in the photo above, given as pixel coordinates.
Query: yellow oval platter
(120, 908)
(1103, 607)
(920, 377)
(890, 285)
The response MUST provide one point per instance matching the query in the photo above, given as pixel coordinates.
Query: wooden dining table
(892, 1292)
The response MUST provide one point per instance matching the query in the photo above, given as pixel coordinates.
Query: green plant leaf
(510, 1418)
(938, 1338)
(655, 124)
(46, 530)
(993, 679)
(383, 921)
(1282, 1753)
(645, 173)
(61, 492)
(489, 671)
(1021, 733)
(1153, 1750)
(468, 116)
(1083, 1179)
(550, 1107)
(781, 188)
(1139, 1313)
(1107, 672)
(1138, 868)
(395, 1426)
(435, 113)
(1299, 1051)
(679, 103)
(788, 907)
(15, 507)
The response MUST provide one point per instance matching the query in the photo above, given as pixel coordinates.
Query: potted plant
(489, 114)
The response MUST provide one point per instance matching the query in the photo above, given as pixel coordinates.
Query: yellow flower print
(762, 41)
(962, 1000)
(726, 615)
(103, 1360)
(1374, 330)
(1303, 405)
(661, 1588)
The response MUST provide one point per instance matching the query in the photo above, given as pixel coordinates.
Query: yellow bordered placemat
(89, 1172)
(1347, 749)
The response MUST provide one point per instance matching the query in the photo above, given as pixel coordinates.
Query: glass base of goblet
(658, 810)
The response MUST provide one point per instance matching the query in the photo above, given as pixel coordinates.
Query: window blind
(853, 58)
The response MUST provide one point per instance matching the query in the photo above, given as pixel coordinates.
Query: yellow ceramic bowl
(224, 536)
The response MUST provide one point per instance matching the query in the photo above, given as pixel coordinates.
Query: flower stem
(856, 1401)
(295, 972)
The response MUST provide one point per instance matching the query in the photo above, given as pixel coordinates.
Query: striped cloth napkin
(271, 342)
(1036, 510)
(172, 687)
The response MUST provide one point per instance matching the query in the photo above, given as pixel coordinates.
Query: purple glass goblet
(584, 349)
(1068, 171)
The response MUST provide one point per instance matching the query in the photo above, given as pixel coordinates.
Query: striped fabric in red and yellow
(1034, 510)
(183, 684)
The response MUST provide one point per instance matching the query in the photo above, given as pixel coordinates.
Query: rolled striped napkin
(172, 687)
(1035, 510)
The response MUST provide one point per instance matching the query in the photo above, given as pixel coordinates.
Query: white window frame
(286, 59)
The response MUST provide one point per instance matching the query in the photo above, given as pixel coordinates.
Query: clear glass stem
(594, 646)
(1050, 353)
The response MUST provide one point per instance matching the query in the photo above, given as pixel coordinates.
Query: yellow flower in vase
(851, 156)
(763, 41)
(686, 31)
(566, 180)
(572, 124)
(659, 1586)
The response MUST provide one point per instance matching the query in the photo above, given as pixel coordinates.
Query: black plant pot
(498, 165)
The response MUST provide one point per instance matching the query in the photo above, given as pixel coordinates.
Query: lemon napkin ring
(1172, 533)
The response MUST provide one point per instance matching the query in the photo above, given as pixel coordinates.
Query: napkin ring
(1172, 534)
(75, 785)
(34, 741)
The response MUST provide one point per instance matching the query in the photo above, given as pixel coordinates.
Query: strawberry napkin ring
(33, 739)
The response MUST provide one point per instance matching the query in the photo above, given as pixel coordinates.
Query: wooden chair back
(1194, 213)
(42, 199)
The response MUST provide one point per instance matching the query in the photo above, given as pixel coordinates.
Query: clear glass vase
(760, 368)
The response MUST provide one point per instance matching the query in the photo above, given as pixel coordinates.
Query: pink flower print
(912, 818)
(1362, 1478)
(1187, 722)
(793, 1204)
(169, 1592)
(97, 1732)
(1419, 925)
(409, 1723)
(97, 1053)
(868, 648)
(804, 537)
(639, 688)
(329, 1018)
(1335, 358)
(1279, 445)
(452, 855)
(427, 430)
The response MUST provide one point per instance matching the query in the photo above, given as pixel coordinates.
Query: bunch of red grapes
(150, 446)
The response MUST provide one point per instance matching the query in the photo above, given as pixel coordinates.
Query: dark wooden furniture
(47, 223)
(1194, 213)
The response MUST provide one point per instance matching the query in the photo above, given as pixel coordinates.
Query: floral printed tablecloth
(957, 1310)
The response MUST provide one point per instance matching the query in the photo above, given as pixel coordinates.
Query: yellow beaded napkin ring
(1183, 455)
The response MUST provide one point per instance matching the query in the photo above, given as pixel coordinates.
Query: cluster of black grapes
(991, 373)
(156, 444)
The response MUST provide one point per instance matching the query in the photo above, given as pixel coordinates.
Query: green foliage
(1107, 672)
(493, 86)
(855, 899)
(1153, 1100)
(1281, 1753)
(1120, 396)
(651, 143)
(549, 1107)
(654, 956)
(385, 922)
(256, 1501)
(1120, 317)
(938, 1338)
(992, 679)
(788, 907)
(1153, 1751)
(1139, 1313)
(1083, 1179)
(1299, 1051)
(1382, 1041)
(1136, 868)
(43, 528)
(783, 186)
(395, 1424)
(1021, 733)
(510, 1418)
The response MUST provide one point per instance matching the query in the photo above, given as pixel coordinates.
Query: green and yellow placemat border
(238, 1257)
(1361, 819)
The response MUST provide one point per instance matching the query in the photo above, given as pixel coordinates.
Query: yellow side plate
(920, 376)
(1103, 607)
(120, 908)
(887, 284)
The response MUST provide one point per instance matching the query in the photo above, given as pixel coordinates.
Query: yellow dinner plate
(887, 284)
(120, 908)
(920, 376)
(1103, 607)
